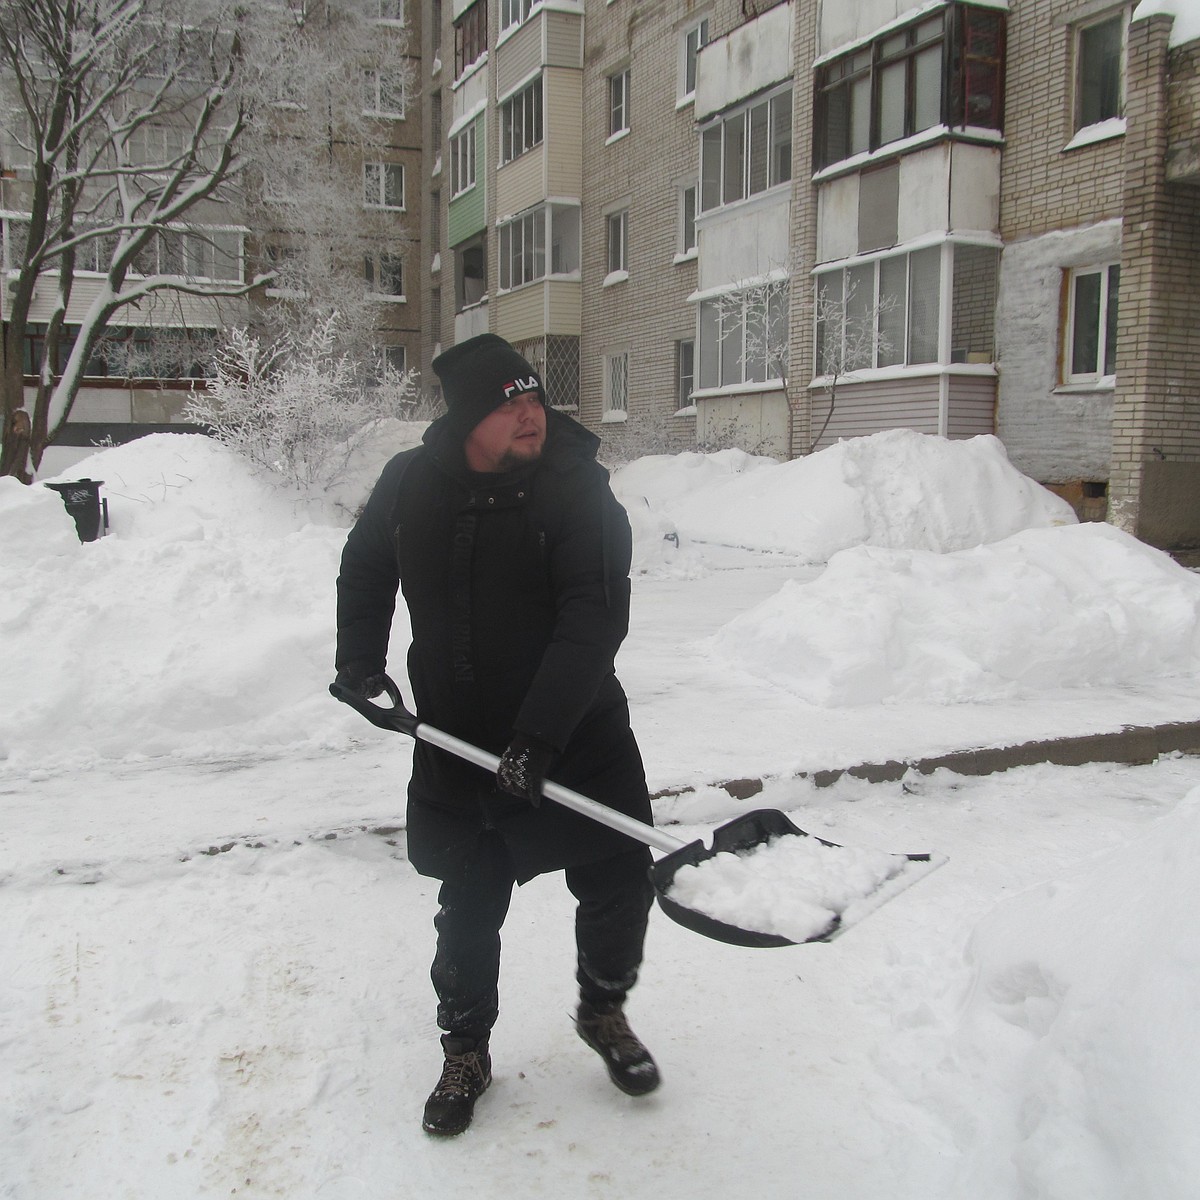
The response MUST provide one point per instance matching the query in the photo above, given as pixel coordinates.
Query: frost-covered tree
(146, 129)
(323, 197)
(300, 408)
(851, 336)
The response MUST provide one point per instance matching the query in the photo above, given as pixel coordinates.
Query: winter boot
(466, 1074)
(629, 1064)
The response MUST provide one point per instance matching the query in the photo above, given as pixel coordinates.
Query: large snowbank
(898, 489)
(203, 623)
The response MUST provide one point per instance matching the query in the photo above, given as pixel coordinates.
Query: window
(693, 39)
(462, 161)
(746, 152)
(521, 122)
(885, 312)
(618, 242)
(435, 30)
(564, 239)
(943, 70)
(435, 223)
(523, 244)
(396, 358)
(685, 373)
(743, 336)
(385, 275)
(618, 103)
(390, 10)
(1092, 324)
(513, 12)
(383, 185)
(1100, 70)
(470, 273)
(383, 94)
(616, 386)
(470, 37)
(687, 219)
(523, 250)
(125, 352)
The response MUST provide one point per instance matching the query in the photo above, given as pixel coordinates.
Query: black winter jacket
(517, 587)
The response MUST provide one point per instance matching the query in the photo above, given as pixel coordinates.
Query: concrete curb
(1132, 744)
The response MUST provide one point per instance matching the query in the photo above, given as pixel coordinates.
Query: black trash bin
(82, 498)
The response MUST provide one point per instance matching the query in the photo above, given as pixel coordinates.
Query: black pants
(614, 898)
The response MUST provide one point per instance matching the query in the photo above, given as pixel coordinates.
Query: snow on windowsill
(387, 298)
(615, 277)
(1102, 131)
(614, 418)
(616, 137)
(687, 256)
(688, 411)
(1106, 383)
(436, 265)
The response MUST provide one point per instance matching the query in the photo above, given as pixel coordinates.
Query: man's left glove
(523, 767)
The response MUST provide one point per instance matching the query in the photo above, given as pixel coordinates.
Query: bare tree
(89, 84)
(136, 122)
(850, 337)
(759, 311)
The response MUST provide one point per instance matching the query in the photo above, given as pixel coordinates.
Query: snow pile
(35, 525)
(1076, 1028)
(1070, 607)
(203, 623)
(898, 489)
(795, 887)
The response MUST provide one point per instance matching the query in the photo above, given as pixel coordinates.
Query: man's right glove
(364, 684)
(523, 767)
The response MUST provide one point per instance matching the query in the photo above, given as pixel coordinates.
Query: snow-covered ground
(214, 957)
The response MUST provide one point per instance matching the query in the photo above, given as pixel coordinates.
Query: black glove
(364, 684)
(523, 767)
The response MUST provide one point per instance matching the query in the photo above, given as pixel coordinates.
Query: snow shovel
(736, 847)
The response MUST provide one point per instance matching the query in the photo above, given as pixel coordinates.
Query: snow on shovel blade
(765, 882)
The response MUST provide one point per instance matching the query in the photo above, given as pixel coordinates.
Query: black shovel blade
(739, 836)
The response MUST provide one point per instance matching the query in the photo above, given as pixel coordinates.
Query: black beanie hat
(478, 375)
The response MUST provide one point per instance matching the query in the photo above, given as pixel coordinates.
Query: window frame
(618, 103)
(616, 406)
(685, 374)
(848, 99)
(1106, 325)
(724, 320)
(733, 174)
(529, 242)
(470, 38)
(373, 91)
(390, 16)
(523, 121)
(616, 239)
(377, 266)
(1080, 66)
(514, 13)
(464, 149)
(689, 55)
(687, 244)
(384, 171)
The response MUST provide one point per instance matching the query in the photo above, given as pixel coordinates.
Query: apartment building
(777, 223)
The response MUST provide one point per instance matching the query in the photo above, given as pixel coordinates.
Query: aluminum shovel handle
(400, 720)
